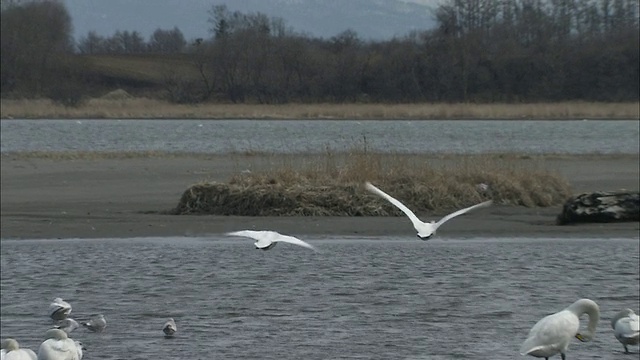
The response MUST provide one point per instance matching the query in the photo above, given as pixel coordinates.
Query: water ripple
(315, 136)
(360, 299)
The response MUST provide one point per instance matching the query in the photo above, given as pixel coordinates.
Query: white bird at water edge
(268, 239)
(626, 327)
(169, 328)
(11, 351)
(425, 230)
(553, 333)
(59, 309)
(58, 346)
(67, 325)
(97, 323)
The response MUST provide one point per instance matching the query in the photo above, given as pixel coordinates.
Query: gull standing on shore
(425, 230)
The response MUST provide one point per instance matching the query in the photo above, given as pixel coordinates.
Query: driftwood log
(601, 207)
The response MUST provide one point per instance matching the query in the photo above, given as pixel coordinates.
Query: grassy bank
(333, 186)
(143, 108)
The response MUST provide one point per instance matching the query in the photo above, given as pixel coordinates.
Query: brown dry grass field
(331, 185)
(145, 108)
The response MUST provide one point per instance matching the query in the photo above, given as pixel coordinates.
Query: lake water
(316, 136)
(376, 298)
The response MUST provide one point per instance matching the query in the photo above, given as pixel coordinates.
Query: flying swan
(58, 346)
(169, 328)
(59, 309)
(268, 239)
(626, 327)
(11, 351)
(425, 230)
(553, 333)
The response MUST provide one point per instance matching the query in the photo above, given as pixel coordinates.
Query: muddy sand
(118, 198)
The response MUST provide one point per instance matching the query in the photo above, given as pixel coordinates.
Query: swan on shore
(11, 351)
(59, 309)
(58, 346)
(425, 230)
(626, 327)
(169, 328)
(268, 239)
(553, 333)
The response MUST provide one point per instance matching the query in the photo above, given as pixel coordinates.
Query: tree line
(131, 42)
(480, 51)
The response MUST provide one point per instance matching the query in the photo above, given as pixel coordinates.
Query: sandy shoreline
(116, 198)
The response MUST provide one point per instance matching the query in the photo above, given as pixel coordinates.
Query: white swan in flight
(553, 333)
(425, 230)
(266, 240)
(169, 328)
(59, 309)
(58, 346)
(626, 327)
(97, 323)
(11, 351)
(67, 325)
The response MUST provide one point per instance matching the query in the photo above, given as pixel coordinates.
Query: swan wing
(627, 327)
(20, 354)
(414, 219)
(460, 212)
(634, 322)
(295, 241)
(551, 334)
(264, 238)
(31, 354)
(59, 308)
(169, 327)
(58, 349)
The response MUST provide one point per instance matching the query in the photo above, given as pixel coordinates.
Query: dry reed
(333, 187)
(144, 108)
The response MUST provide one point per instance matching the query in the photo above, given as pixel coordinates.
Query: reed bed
(333, 186)
(145, 108)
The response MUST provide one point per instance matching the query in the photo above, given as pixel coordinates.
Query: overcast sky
(322, 18)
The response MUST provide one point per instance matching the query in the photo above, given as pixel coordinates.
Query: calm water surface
(377, 298)
(316, 136)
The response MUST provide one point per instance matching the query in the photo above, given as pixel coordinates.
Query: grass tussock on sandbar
(333, 186)
(144, 108)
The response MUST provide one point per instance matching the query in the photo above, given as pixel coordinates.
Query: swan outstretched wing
(414, 219)
(294, 240)
(257, 235)
(270, 237)
(460, 212)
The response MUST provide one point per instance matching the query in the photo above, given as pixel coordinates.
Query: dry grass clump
(333, 186)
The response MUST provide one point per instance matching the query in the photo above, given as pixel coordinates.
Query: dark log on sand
(601, 207)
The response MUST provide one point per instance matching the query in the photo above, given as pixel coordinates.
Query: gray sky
(319, 18)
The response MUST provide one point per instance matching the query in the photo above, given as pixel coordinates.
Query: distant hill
(371, 19)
